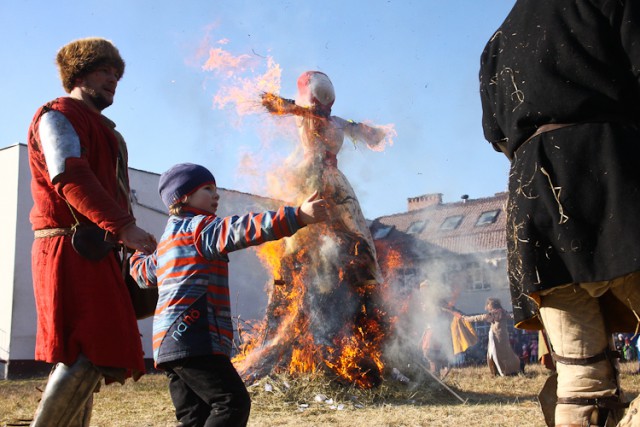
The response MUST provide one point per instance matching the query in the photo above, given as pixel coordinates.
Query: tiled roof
(466, 238)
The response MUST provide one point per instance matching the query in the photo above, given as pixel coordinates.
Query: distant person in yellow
(501, 358)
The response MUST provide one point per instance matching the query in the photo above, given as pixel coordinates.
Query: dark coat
(574, 192)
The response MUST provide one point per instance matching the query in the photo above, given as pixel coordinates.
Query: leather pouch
(92, 242)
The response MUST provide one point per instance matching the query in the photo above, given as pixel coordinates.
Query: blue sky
(413, 64)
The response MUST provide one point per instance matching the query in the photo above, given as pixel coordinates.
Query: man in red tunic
(78, 161)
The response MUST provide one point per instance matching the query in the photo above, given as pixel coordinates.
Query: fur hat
(85, 55)
(181, 180)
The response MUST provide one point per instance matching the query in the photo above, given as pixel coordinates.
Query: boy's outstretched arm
(217, 236)
(313, 210)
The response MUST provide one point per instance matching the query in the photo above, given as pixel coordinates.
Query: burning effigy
(325, 309)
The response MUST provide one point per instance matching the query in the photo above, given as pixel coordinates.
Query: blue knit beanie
(181, 180)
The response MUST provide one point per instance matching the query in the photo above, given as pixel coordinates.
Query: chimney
(426, 200)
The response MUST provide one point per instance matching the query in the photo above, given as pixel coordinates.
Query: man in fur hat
(86, 322)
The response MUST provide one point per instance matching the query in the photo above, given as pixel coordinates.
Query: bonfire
(325, 312)
(325, 308)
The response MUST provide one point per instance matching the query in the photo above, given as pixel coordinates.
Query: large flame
(299, 333)
(354, 354)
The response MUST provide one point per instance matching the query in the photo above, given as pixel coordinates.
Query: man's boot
(83, 419)
(66, 395)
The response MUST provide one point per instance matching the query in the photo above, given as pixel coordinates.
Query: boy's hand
(313, 210)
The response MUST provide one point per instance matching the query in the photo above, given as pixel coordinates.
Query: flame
(242, 85)
(302, 361)
(392, 259)
(223, 61)
(354, 354)
(276, 104)
(357, 358)
(270, 254)
(286, 340)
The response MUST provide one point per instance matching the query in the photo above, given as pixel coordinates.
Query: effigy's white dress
(322, 139)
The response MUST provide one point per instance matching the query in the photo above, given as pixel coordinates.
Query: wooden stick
(446, 373)
(442, 383)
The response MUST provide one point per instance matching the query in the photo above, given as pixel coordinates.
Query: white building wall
(9, 167)
(24, 314)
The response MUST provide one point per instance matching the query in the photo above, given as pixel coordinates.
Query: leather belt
(541, 129)
(52, 232)
(605, 355)
(546, 128)
(609, 402)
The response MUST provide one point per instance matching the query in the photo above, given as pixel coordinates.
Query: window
(451, 223)
(476, 277)
(416, 227)
(488, 217)
(382, 232)
(477, 286)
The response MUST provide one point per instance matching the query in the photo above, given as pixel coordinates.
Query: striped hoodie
(190, 268)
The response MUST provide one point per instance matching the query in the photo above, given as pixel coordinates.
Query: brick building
(460, 246)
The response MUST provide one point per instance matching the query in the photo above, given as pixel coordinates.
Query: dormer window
(382, 232)
(488, 217)
(452, 222)
(416, 227)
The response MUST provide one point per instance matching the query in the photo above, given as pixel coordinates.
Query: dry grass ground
(280, 401)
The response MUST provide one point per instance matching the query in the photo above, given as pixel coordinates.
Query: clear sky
(413, 64)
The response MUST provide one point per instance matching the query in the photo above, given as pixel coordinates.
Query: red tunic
(83, 306)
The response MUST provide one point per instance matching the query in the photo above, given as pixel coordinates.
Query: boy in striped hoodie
(192, 329)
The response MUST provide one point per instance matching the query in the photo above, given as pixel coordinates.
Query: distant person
(618, 342)
(192, 326)
(629, 351)
(78, 160)
(533, 351)
(637, 343)
(501, 358)
(435, 343)
(432, 352)
(560, 93)
(524, 357)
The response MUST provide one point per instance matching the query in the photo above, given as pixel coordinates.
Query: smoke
(421, 328)
(441, 281)
(328, 263)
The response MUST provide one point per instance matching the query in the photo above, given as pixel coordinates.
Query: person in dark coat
(561, 98)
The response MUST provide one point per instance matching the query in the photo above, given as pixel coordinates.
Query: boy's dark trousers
(208, 392)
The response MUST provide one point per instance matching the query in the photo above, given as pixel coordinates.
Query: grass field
(318, 401)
